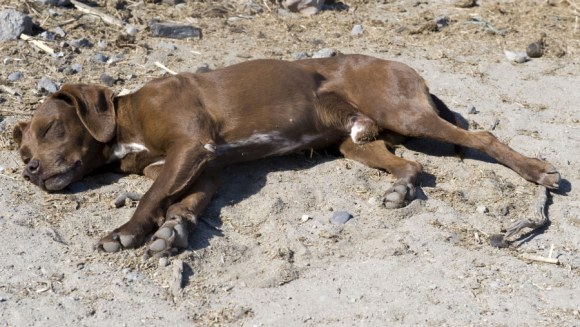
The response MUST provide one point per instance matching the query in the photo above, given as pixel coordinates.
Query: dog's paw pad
(170, 237)
(112, 246)
(398, 196)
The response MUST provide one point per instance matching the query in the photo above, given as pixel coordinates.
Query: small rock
(340, 217)
(305, 7)
(519, 57)
(166, 45)
(101, 57)
(13, 23)
(442, 21)
(465, 3)
(81, 43)
(59, 31)
(163, 262)
(107, 80)
(300, 55)
(536, 49)
(102, 45)
(15, 76)
(45, 84)
(204, 68)
(356, 30)
(324, 53)
(116, 58)
(482, 209)
(494, 124)
(131, 30)
(58, 3)
(77, 68)
(174, 31)
(3, 297)
(472, 110)
(48, 36)
(305, 218)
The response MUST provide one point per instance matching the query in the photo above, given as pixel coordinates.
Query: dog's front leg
(182, 167)
(182, 216)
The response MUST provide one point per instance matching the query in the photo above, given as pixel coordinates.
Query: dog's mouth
(57, 180)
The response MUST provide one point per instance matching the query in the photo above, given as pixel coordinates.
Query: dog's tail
(451, 117)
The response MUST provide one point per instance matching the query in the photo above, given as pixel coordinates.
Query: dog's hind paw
(550, 179)
(168, 239)
(399, 195)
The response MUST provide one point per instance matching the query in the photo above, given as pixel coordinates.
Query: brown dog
(181, 130)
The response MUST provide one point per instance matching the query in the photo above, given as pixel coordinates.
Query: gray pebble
(516, 56)
(13, 23)
(536, 49)
(59, 3)
(472, 110)
(204, 68)
(81, 43)
(166, 45)
(48, 36)
(174, 31)
(45, 84)
(356, 30)
(101, 57)
(482, 209)
(15, 76)
(442, 21)
(340, 217)
(116, 58)
(324, 53)
(107, 80)
(77, 68)
(131, 30)
(102, 45)
(163, 262)
(300, 55)
(59, 31)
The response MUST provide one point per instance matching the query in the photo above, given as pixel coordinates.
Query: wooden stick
(162, 66)
(92, 11)
(538, 258)
(39, 44)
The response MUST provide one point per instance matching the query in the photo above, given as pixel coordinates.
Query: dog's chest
(133, 157)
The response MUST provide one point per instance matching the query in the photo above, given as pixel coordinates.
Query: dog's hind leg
(182, 216)
(376, 155)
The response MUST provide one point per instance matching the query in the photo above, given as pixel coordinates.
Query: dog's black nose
(31, 169)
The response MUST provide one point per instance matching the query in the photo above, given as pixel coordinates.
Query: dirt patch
(254, 260)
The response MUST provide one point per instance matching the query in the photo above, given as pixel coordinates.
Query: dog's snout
(31, 170)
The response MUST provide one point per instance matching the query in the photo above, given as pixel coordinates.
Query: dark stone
(174, 31)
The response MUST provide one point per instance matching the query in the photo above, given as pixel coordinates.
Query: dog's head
(67, 134)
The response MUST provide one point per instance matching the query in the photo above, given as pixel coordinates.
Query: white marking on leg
(121, 150)
(355, 130)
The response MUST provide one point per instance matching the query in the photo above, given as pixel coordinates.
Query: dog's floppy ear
(18, 131)
(95, 108)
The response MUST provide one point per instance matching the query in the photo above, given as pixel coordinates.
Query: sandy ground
(253, 261)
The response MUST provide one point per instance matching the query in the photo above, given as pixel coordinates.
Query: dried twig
(121, 199)
(39, 44)
(540, 219)
(162, 66)
(92, 11)
(538, 258)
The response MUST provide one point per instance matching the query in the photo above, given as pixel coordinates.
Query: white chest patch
(121, 150)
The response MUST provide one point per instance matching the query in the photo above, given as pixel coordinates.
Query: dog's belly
(260, 145)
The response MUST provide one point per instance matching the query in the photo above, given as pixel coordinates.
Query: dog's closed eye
(54, 129)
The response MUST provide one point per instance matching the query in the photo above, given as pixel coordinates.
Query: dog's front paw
(399, 195)
(170, 237)
(116, 241)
